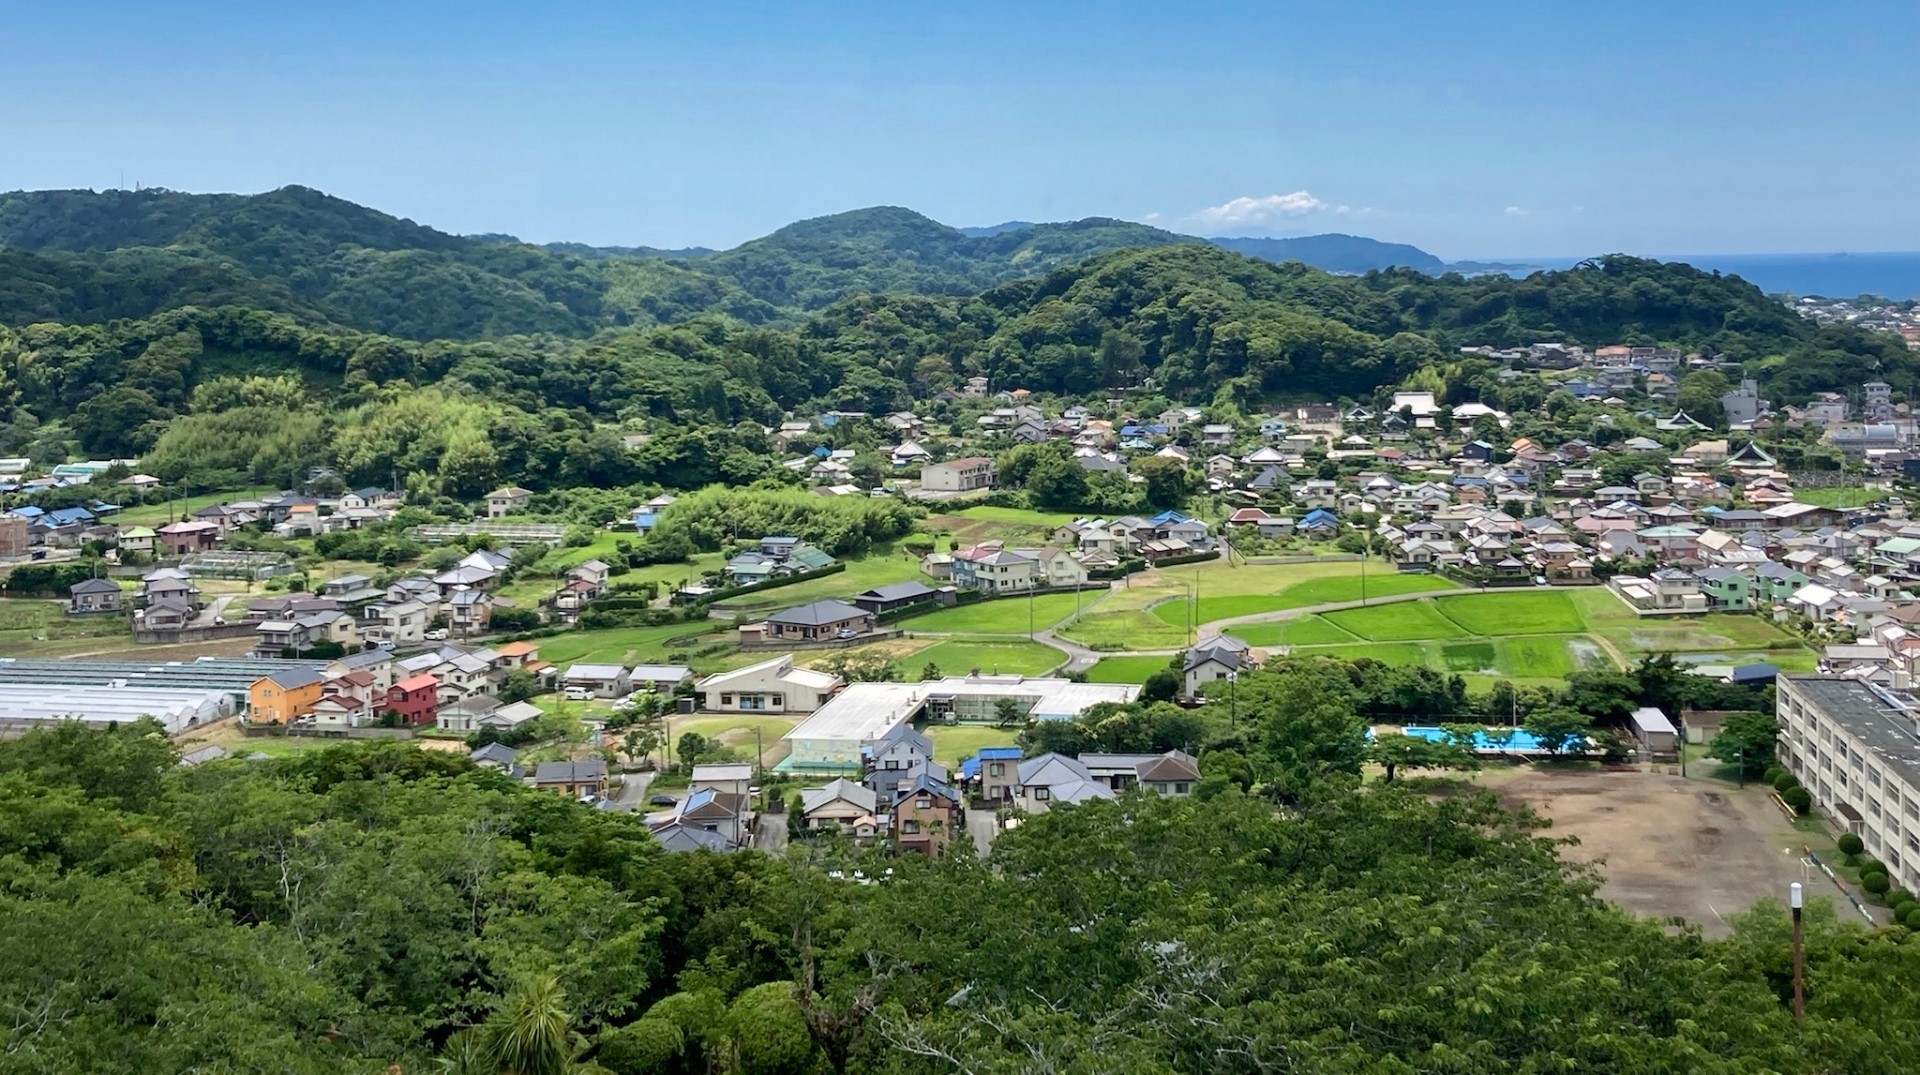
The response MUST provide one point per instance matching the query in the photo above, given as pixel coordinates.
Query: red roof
(417, 683)
(1249, 515)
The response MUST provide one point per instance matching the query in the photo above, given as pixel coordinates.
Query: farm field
(1396, 623)
(1133, 669)
(953, 743)
(959, 656)
(1303, 631)
(1840, 496)
(1002, 616)
(1124, 630)
(159, 514)
(1523, 612)
(971, 526)
(1248, 595)
(885, 563)
(624, 645)
(30, 628)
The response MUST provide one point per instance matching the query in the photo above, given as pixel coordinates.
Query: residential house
(958, 475)
(470, 612)
(413, 701)
(164, 614)
(999, 772)
(497, 756)
(402, 623)
(893, 755)
(898, 595)
(94, 595)
(771, 686)
(1212, 660)
(1727, 590)
(841, 806)
(995, 570)
(1054, 779)
(818, 621)
(138, 540)
(183, 538)
(508, 500)
(575, 779)
(659, 678)
(927, 816)
(284, 696)
(599, 680)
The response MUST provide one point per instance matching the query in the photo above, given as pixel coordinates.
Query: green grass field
(623, 645)
(971, 526)
(1534, 656)
(1134, 669)
(1840, 496)
(959, 656)
(1124, 630)
(1313, 591)
(1406, 621)
(1415, 653)
(736, 730)
(953, 743)
(159, 514)
(43, 629)
(1467, 656)
(1520, 613)
(1001, 616)
(1304, 631)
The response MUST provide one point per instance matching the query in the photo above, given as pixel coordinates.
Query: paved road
(633, 791)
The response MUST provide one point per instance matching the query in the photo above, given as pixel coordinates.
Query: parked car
(662, 800)
(846, 632)
(438, 634)
(578, 694)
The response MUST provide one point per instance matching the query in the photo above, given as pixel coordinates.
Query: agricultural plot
(971, 526)
(1003, 616)
(1522, 613)
(960, 656)
(1298, 593)
(1124, 630)
(1410, 620)
(626, 645)
(1303, 631)
(1134, 669)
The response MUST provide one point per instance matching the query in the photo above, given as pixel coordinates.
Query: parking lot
(1667, 845)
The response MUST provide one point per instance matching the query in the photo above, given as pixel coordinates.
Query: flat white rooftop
(867, 711)
(174, 709)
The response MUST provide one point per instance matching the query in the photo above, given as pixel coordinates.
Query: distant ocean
(1843, 276)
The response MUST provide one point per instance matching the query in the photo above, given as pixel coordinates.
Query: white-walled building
(1856, 749)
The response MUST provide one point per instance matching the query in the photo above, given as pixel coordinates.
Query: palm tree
(531, 1033)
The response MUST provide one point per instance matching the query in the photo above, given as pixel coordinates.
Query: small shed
(1656, 733)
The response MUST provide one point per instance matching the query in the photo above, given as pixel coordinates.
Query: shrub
(1783, 782)
(1898, 896)
(646, 1045)
(1850, 844)
(1902, 908)
(1799, 798)
(1772, 774)
(1875, 883)
(1867, 864)
(1912, 917)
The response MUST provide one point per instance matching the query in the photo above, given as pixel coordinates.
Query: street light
(1799, 966)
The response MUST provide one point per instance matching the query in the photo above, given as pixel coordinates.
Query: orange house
(284, 696)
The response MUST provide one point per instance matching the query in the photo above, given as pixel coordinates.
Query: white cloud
(1244, 210)
(1514, 210)
(1151, 217)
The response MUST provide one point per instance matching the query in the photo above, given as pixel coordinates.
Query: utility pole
(1799, 964)
(1233, 700)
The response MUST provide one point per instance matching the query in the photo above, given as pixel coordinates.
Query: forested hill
(87, 257)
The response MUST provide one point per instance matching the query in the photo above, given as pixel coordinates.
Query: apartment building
(1856, 748)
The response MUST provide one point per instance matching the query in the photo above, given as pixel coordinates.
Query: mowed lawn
(737, 730)
(1405, 621)
(1522, 612)
(1000, 616)
(971, 526)
(954, 743)
(960, 656)
(1133, 669)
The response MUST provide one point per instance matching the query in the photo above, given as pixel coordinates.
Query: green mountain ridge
(85, 256)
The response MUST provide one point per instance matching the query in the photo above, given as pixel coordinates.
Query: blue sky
(1473, 130)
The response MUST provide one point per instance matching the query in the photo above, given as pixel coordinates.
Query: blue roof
(70, 515)
(1168, 517)
(28, 511)
(822, 452)
(970, 769)
(698, 798)
(1318, 515)
(1000, 753)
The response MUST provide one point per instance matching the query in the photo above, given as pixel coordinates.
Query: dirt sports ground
(1667, 845)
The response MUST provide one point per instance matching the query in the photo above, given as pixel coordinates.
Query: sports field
(1248, 591)
(1133, 669)
(997, 656)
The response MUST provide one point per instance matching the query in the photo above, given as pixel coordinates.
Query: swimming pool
(1505, 741)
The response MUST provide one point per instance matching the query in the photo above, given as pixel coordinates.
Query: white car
(579, 694)
(438, 634)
